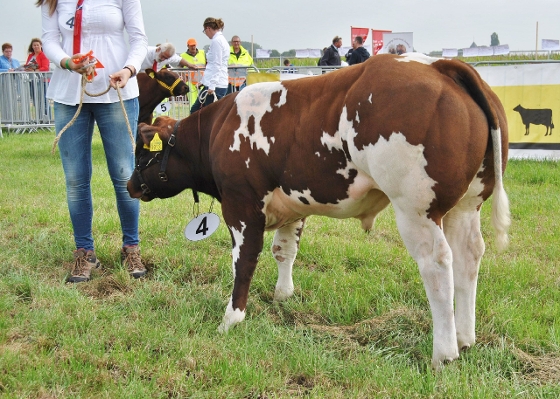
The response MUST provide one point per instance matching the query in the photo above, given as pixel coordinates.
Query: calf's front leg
(247, 245)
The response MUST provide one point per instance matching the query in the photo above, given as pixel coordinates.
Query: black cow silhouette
(536, 117)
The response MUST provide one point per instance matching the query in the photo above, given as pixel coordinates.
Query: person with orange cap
(196, 57)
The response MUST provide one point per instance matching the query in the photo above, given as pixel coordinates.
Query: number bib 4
(202, 227)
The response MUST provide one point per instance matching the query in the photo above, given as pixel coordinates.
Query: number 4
(70, 23)
(202, 227)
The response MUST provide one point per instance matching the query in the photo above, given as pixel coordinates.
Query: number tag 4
(202, 227)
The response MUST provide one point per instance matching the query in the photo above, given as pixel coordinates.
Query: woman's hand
(121, 77)
(78, 63)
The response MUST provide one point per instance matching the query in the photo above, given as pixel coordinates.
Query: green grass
(358, 325)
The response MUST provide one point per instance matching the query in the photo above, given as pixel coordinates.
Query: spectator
(288, 67)
(215, 79)
(330, 55)
(359, 53)
(197, 57)
(7, 63)
(160, 56)
(36, 60)
(349, 53)
(121, 54)
(238, 56)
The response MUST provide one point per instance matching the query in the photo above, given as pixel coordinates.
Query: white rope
(204, 94)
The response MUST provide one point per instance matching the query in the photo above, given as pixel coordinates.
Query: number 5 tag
(202, 227)
(162, 108)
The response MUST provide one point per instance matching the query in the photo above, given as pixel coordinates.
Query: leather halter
(156, 159)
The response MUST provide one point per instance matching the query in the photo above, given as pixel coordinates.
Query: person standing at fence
(359, 52)
(196, 57)
(238, 57)
(215, 79)
(162, 55)
(288, 67)
(36, 59)
(70, 30)
(7, 63)
(330, 55)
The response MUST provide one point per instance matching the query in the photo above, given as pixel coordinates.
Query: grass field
(358, 326)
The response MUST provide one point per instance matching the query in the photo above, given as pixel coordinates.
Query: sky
(301, 24)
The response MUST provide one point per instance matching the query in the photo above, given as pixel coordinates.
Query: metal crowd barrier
(23, 103)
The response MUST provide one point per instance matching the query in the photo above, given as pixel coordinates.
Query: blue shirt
(6, 64)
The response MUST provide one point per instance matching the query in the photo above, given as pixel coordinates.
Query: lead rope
(204, 94)
(84, 91)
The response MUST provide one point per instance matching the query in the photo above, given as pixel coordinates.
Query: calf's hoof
(281, 294)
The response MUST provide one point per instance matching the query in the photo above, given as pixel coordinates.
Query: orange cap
(191, 41)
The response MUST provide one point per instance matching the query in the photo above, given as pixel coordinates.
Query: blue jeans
(220, 92)
(76, 155)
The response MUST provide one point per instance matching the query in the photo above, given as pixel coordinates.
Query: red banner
(377, 39)
(363, 32)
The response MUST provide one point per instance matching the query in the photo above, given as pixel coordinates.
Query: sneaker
(130, 257)
(84, 262)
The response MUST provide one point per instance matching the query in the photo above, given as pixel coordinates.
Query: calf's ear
(146, 133)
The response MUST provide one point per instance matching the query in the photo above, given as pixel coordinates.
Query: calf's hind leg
(462, 230)
(426, 242)
(284, 249)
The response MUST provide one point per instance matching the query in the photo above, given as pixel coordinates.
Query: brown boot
(130, 257)
(85, 262)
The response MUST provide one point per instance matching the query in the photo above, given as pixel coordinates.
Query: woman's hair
(35, 39)
(51, 3)
(214, 23)
(5, 46)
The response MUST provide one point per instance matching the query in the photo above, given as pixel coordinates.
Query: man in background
(359, 53)
(160, 56)
(238, 57)
(330, 55)
(197, 57)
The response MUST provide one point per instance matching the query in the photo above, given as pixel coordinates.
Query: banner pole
(537, 41)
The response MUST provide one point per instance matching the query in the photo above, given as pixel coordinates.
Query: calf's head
(160, 172)
(170, 83)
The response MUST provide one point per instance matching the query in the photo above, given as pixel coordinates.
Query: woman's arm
(43, 62)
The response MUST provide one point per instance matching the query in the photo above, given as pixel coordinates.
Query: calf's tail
(500, 204)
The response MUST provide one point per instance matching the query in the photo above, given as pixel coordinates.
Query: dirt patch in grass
(544, 369)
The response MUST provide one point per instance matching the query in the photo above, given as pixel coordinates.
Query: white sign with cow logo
(201, 227)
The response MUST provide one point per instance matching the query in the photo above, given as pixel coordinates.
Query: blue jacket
(6, 64)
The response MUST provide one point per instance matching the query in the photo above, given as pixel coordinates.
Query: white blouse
(216, 73)
(103, 26)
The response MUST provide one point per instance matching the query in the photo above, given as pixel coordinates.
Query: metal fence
(25, 108)
(23, 103)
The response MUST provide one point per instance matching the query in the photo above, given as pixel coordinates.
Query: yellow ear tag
(156, 144)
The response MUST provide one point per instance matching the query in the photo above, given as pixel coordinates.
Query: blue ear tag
(201, 227)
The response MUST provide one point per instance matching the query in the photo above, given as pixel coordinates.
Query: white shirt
(216, 73)
(151, 57)
(103, 26)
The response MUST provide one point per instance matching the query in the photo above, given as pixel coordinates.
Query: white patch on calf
(232, 317)
(247, 162)
(254, 101)
(238, 239)
(418, 57)
(398, 167)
